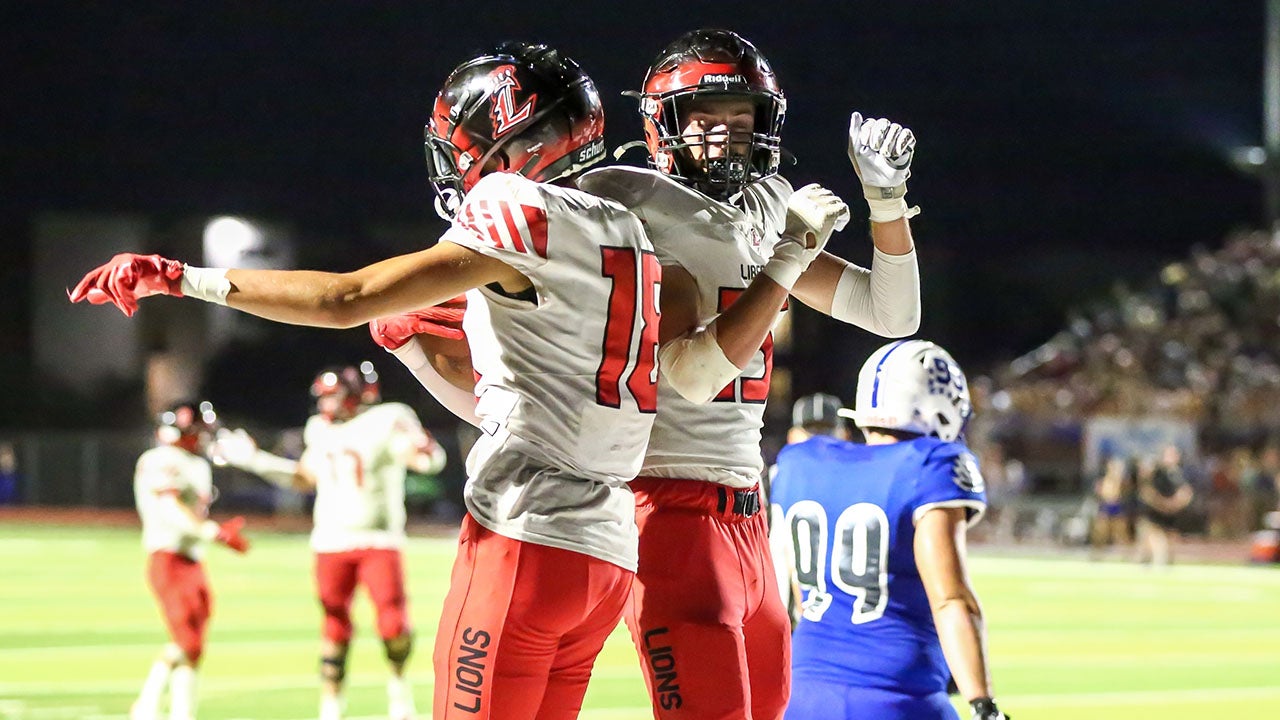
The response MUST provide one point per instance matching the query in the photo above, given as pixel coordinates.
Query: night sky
(1062, 146)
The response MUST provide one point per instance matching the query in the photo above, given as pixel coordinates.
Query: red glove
(229, 535)
(127, 278)
(443, 320)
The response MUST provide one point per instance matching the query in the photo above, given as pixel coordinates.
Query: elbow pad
(696, 367)
(885, 299)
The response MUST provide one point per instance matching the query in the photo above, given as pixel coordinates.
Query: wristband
(207, 284)
(788, 262)
(883, 211)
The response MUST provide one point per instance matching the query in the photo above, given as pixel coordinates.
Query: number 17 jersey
(850, 512)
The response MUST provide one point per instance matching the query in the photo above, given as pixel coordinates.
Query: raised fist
(881, 153)
(128, 277)
(443, 320)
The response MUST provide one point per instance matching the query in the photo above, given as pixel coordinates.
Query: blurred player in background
(878, 548)
(172, 488)
(356, 453)
(563, 329)
(705, 614)
(816, 414)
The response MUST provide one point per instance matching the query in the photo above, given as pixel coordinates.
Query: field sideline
(1069, 639)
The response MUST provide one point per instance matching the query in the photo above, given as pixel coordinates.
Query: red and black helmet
(338, 392)
(520, 108)
(702, 64)
(189, 425)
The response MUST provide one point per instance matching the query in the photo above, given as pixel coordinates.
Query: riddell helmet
(188, 425)
(338, 392)
(913, 386)
(704, 64)
(519, 108)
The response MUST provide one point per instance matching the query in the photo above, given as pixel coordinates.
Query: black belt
(745, 502)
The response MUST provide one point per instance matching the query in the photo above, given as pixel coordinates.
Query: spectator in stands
(10, 478)
(1163, 494)
(1111, 518)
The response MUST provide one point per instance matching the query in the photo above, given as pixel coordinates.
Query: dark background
(1063, 147)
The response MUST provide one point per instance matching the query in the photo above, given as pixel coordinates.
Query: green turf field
(1069, 639)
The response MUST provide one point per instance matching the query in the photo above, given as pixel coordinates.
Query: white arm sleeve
(279, 471)
(884, 299)
(454, 399)
(695, 365)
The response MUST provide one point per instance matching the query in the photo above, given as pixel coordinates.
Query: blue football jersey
(850, 512)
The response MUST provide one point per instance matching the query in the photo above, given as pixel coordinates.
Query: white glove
(813, 214)
(881, 153)
(233, 447)
(238, 449)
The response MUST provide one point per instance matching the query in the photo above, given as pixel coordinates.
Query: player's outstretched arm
(699, 362)
(303, 297)
(885, 299)
(238, 449)
(940, 558)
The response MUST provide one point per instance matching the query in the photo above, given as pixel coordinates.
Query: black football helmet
(704, 64)
(520, 108)
(338, 392)
(189, 425)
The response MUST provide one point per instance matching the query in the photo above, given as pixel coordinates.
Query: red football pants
(521, 628)
(713, 637)
(381, 572)
(182, 591)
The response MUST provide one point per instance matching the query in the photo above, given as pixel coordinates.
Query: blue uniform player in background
(878, 534)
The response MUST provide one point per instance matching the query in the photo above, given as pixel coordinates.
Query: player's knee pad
(334, 667)
(399, 647)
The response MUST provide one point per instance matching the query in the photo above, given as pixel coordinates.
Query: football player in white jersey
(563, 326)
(705, 615)
(173, 487)
(356, 451)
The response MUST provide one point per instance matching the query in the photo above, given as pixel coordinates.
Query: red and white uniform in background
(174, 571)
(566, 398)
(705, 610)
(359, 517)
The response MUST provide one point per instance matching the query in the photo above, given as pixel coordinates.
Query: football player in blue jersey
(878, 534)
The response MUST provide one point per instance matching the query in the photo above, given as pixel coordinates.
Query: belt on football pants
(731, 504)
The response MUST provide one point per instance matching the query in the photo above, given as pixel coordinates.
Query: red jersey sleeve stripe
(535, 220)
(517, 241)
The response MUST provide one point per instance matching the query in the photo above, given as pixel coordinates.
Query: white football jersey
(171, 470)
(723, 246)
(359, 467)
(567, 387)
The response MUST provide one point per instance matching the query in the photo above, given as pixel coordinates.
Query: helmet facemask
(702, 69)
(718, 163)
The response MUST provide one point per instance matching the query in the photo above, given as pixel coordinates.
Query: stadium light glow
(227, 239)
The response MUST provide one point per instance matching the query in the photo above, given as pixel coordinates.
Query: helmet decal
(506, 116)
